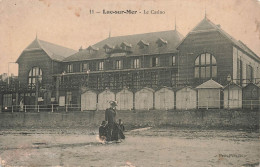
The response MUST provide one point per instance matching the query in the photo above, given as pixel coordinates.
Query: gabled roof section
(206, 26)
(107, 46)
(55, 52)
(210, 84)
(142, 43)
(92, 48)
(126, 44)
(173, 37)
(161, 41)
(251, 84)
(233, 84)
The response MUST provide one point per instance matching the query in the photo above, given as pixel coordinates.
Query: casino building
(166, 59)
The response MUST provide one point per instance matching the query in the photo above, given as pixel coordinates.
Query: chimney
(80, 49)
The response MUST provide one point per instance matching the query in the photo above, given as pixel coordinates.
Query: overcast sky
(69, 22)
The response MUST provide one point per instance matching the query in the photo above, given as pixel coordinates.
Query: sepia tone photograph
(134, 83)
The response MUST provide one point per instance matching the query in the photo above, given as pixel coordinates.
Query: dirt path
(148, 147)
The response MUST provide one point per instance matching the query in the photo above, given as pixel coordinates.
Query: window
(35, 74)
(205, 66)
(155, 62)
(101, 66)
(69, 98)
(69, 68)
(84, 67)
(7, 100)
(173, 60)
(107, 50)
(249, 73)
(136, 63)
(118, 64)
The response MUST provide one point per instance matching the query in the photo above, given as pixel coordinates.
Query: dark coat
(110, 115)
(102, 131)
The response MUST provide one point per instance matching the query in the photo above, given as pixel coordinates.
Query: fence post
(38, 108)
(251, 106)
(207, 104)
(12, 108)
(24, 108)
(66, 106)
(51, 107)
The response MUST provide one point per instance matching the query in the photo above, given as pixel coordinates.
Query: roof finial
(109, 35)
(175, 23)
(36, 37)
(205, 13)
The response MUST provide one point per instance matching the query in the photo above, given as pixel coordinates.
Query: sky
(69, 23)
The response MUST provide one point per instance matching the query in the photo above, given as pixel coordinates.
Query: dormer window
(92, 49)
(107, 48)
(161, 42)
(126, 46)
(142, 44)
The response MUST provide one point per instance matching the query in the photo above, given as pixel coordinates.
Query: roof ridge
(143, 33)
(54, 44)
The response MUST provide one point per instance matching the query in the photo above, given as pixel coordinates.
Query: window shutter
(132, 63)
(151, 61)
(170, 61)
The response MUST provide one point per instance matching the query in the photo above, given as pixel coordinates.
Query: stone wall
(194, 118)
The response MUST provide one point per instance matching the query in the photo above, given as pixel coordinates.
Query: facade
(164, 99)
(144, 99)
(50, 73)
(209, 94)
(186, 98)
(88, 100)
(251, 96)
(232, 96)
(125, 99)
(104, 98)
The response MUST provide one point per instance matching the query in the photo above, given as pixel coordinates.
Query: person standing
(110, 117)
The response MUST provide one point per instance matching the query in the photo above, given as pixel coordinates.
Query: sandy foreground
(142, 147)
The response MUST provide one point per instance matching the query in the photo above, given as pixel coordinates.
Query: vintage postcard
(134, 83)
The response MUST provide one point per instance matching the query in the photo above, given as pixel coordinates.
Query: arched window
(34, 74)
(205, 66)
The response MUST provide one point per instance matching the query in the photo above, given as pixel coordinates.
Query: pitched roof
(55, 52)
(232, 84)
(206, 26)
(210, 84)
(173, 37)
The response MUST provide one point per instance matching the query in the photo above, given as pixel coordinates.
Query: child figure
(121, 129)
(103, 131)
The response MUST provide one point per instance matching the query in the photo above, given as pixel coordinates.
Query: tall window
(118, 64)
(173, 60)
(155, 61)
(35, 74)
(69, 68)
(205, 66)
(249, 73)
(136, 63)
(101, 66)
(84, 67)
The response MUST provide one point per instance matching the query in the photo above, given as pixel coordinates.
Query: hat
(103, 123)
(113, 103)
